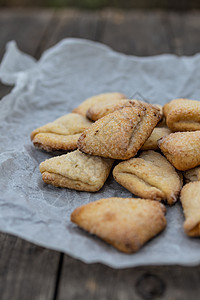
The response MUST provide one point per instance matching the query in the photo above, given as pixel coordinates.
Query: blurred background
(133, 27)
(98, 4)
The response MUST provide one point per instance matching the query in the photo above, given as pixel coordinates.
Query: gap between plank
(58, 276)
(41, 45)
(169, 33)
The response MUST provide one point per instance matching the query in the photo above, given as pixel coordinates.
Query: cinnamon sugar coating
(120, 134)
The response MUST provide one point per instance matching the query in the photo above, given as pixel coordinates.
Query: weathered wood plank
(26, 271)
(124, 31)
(136, 32)
(185, 32)
(31, 270)
(82, 281)
(70, 23)
(26, 27)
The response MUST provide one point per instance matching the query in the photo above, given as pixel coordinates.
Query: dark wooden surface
(29, 272)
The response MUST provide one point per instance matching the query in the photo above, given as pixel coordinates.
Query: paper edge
(98, 45)
(194, 263)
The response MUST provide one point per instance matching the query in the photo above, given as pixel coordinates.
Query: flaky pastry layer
(192, 174)
(182, 115)
(181, 149)
(149, 176)
(62, 134)
(152, 142)
(76, 170)
(101, 98)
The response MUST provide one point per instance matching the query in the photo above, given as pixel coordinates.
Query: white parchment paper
(46, 89)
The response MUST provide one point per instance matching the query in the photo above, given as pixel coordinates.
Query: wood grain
(185, 28)
(100, 282)
(31, 272)
(26, 271)
(70, 23)
(27, 28)
(124, 31)
(136, 32)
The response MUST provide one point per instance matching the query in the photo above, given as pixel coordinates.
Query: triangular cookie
(76, 170)
(120, 134)
(125, 223)
(149, 176)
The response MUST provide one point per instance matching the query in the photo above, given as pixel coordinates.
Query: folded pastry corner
(190, 199)
(192, 174)
(101, 109)
(76, 170)
(182, 149)
(152, 142)
(149, 176)
(62, 134)
(125, 223)
(120, 134)
(101, 98)
(182, 114)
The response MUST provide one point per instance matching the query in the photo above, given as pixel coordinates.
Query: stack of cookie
(109, 127)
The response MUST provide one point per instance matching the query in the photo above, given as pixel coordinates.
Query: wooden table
(30, 272)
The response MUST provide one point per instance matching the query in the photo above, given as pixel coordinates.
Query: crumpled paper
(65, 75)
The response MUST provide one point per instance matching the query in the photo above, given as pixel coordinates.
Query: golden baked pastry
(85, 105)
(182, 149)
(125, 223)
(101, 109)
(182, 115)
(149, 176)
(162, 122)
(159, 107)
(62, 134)
(77, 171)
(157, 133)
(190, 199)
(120, 134)
(192, 174)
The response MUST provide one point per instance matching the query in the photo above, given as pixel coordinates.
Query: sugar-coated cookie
(149, 176)
(119, 135)
(62, 134)
(76, 170)
(125, 223)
